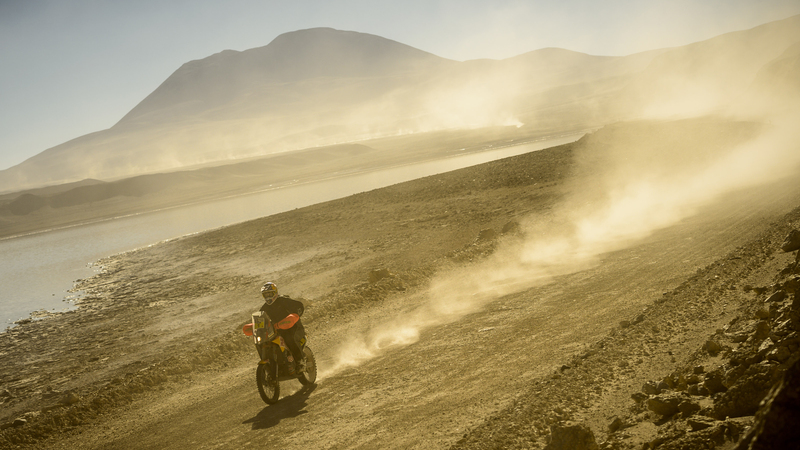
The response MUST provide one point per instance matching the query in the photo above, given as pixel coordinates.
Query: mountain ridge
(323, 86)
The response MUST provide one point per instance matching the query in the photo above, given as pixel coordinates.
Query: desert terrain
(154, 356)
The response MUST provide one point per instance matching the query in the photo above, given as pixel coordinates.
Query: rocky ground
(674, 353)
(730, 337)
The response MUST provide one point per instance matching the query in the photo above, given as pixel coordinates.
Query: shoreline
(273, 191)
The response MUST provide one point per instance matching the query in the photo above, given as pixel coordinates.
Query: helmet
(270, 292)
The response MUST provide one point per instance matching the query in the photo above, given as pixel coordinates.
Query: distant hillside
(704, 77)
(323, 86)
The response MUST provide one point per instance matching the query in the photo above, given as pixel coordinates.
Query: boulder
(19, 422)
(776, 420)
(780, 354)
(651, 388)
(688, 408)
(665, 404)
(777, 297)
(792, 285)
(792, 241)
(743, 397)
(713, 381)
(571, 436)
(712, 347)
(762, 330)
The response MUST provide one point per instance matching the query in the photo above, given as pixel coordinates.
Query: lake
(38, 270)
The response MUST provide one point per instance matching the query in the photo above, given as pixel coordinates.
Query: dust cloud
(619, 196)
(697, 123)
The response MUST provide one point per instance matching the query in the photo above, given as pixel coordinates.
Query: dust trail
(630, 205)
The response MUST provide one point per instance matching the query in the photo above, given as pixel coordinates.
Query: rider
(284, 313)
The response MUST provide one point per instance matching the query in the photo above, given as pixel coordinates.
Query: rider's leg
(289, 336)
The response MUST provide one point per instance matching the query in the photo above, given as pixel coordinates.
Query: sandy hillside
(154, 357)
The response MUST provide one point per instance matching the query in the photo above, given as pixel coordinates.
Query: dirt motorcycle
(275, 365)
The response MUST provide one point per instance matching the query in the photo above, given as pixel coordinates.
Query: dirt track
(427, 394)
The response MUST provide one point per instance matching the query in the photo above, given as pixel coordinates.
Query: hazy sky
(68, 68)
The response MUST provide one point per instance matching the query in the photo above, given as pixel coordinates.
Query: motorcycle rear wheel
(309, 375)
(268, 386)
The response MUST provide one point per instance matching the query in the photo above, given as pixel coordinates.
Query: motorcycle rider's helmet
(270, 292)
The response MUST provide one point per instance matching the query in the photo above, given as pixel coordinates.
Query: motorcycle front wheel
(268, 387)
(309, 375)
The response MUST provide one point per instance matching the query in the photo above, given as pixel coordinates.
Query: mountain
(212, 85)
(323, 86)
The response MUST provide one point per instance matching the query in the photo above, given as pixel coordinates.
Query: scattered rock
(615, 425)
(511, 227)
(50, 393)
(737, 337)
(487, 234)
(376, 275)
(712, 347)
(571, 436)
(698, 423)
(70, 398)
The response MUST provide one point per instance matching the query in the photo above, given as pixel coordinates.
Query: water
(38, 270)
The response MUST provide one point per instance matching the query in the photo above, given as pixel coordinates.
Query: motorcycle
(275, 366)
